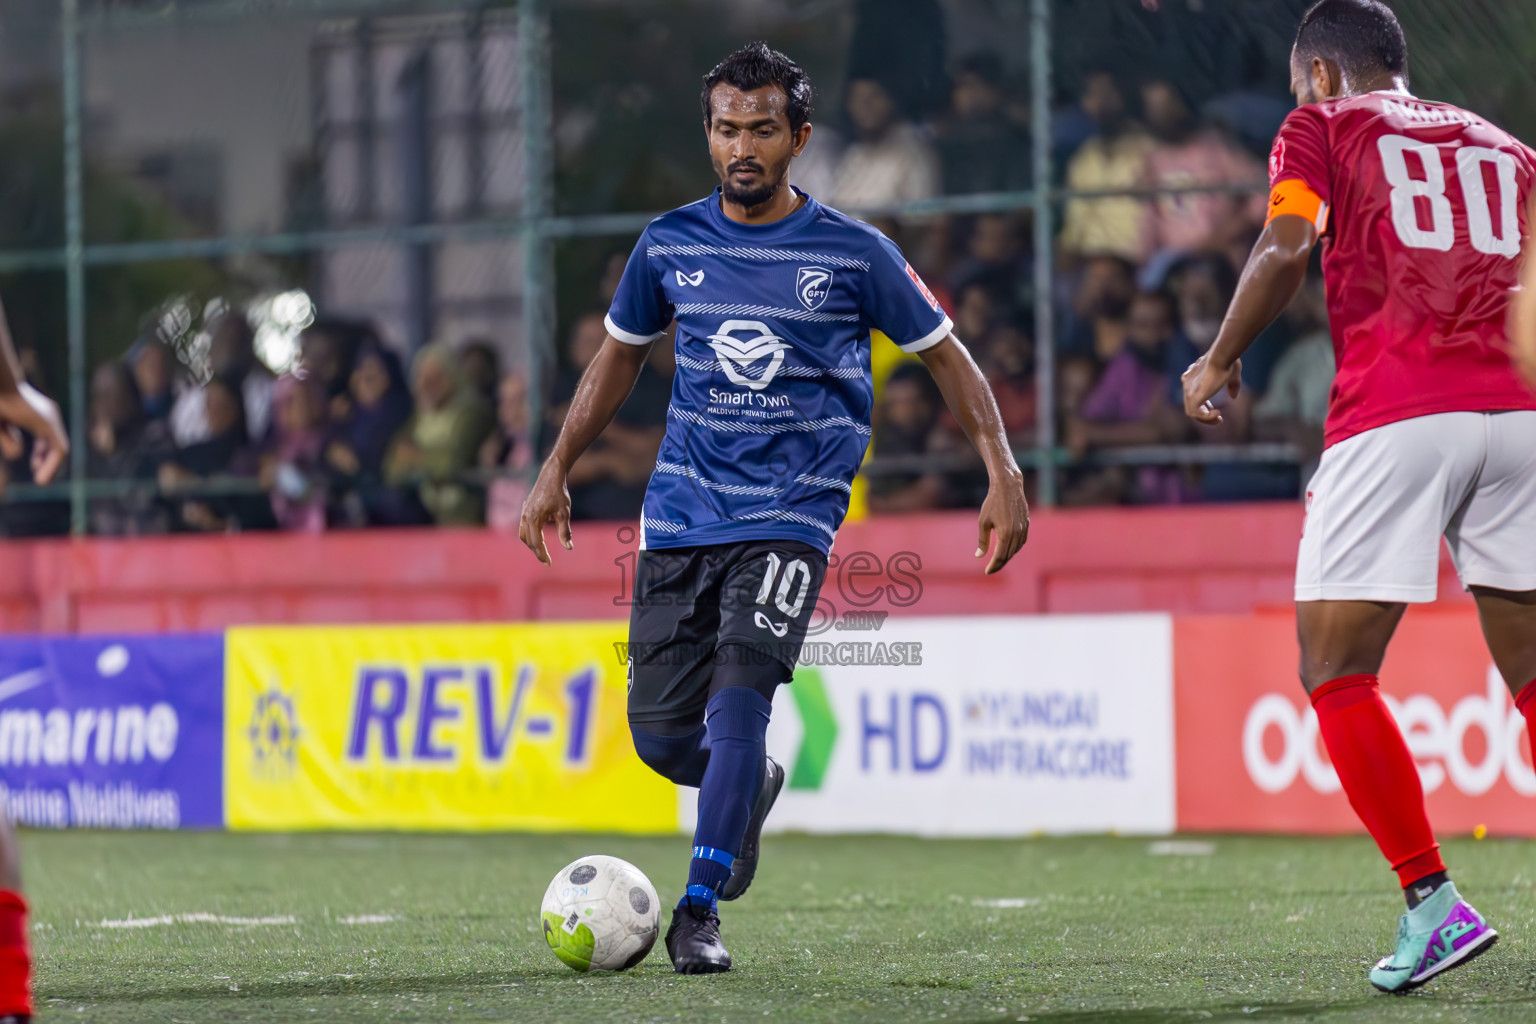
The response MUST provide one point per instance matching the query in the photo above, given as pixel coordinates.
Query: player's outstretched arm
(1005, 512)
(22, 405)
(1275, 272)
(1522, 311)
(603, 388)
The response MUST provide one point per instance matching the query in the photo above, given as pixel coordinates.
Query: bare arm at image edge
(23, 406)
(1522, 312)
(1005, 511)
(603, 388)
(1273, 276)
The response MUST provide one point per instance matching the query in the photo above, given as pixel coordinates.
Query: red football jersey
(1425, 213)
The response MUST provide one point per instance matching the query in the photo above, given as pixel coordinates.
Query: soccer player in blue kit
(774, 296)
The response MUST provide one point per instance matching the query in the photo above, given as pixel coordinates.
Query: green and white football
(601, 914)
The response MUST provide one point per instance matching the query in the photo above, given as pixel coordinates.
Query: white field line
(1181, 848)
(203, 917)
(197, 917)
(1013, 903)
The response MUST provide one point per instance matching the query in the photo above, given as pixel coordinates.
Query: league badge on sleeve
(922, 287)
(812, 285)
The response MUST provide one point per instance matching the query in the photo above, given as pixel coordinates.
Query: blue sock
(681, 759)
(737, 719)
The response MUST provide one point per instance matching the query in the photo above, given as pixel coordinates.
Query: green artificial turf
(437, 928)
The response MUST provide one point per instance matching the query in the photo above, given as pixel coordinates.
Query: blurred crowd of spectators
(353, 439)
(358, 438)
(1143, 274)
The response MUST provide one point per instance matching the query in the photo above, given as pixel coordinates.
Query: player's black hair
(754, 66)
(1360, 36)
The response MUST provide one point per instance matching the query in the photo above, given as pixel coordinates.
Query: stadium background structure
(537, 228)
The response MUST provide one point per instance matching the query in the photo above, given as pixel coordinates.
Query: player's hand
(548, 502)
(1006, 514)
(1203, 381)
(38, 415)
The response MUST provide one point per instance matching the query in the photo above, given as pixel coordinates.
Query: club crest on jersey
(742, 344)
(812, 284)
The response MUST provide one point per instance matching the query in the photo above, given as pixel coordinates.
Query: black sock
(1424, 888)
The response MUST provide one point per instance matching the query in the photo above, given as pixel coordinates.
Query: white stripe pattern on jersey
(750, 490)
(732, 427)
(772, 312)
(824, 481)
(662, 525)
(752, 253)
(839, 372)
(793, 517)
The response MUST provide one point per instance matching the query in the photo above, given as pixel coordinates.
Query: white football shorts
(1381, 500)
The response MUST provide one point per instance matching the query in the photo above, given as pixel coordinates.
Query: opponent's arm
(965, 390)
(603, 388)
(24, 406)
(1275, 272)
(1522, 310)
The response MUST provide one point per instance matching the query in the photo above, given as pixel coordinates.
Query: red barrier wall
(1212, 559)
(1249, 758)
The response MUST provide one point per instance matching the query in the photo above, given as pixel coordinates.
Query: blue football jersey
(770, 412)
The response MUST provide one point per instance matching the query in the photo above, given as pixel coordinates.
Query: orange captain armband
(1293, 196)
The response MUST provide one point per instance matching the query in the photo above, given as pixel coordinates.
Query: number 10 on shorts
(796, 572)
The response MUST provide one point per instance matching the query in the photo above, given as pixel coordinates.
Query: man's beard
(757, 195)
(750, 196)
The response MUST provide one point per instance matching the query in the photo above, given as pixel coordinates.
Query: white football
(601, 914)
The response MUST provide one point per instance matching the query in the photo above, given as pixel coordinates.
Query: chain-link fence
(426, 203)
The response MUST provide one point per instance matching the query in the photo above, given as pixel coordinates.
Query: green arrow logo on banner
(815, 753)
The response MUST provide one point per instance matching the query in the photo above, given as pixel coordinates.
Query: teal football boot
(1440, 933)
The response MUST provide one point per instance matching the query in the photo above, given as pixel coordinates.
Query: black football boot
(693, 941)
(745, 867)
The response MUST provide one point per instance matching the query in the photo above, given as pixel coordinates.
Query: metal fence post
(1045, 328)
(413, 154)
(74, 262)
(538, 205)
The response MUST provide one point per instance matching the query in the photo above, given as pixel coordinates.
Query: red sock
(1378, 773)
(15, 956)
(1525, 700)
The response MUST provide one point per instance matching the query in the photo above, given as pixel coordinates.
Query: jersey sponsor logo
(695, 279)
(1277, 159)
(812, 285)
(742, 344)
(922, 287)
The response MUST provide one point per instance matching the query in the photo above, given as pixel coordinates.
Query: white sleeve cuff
(629, 337)
(930, 339)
